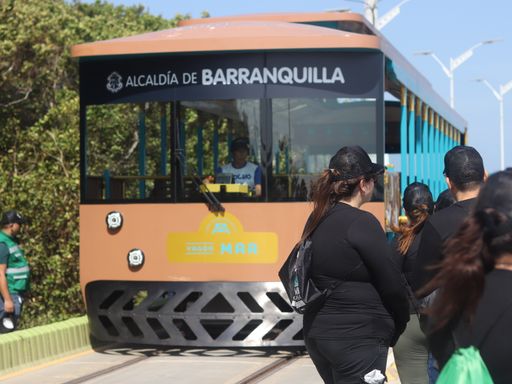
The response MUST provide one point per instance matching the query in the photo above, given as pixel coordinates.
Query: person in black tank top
(349, 336)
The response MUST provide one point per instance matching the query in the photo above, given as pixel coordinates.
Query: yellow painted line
(45, 365)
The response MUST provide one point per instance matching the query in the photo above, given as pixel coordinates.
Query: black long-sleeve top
(438, 228)
(489, 330)
(406, 263)
(350, 245)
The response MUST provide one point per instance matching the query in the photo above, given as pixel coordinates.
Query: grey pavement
(194, 366)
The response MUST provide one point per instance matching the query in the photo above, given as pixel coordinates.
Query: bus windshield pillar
(142, 151)
(163, 140)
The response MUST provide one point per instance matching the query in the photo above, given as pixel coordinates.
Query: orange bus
(177, 250)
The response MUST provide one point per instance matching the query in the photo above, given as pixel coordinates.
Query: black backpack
(295, 274)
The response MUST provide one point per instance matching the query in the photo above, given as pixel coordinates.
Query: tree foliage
(39, 140)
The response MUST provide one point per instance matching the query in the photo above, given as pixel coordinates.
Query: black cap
(352, 162)
(417, 194)
(463, 165)
(239, 143)
(12, 217)
(444, 200)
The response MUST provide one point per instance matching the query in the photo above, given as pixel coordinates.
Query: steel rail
(253, 378)
(268, 370)
(106, 371)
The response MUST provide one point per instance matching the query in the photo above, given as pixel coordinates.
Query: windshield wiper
(213, 204)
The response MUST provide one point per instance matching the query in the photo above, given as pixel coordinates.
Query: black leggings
(345, 361)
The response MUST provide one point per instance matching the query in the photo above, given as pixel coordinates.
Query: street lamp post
(390, 15)
(370, 9)
(370, 12)
(499, 96)
(455, 63)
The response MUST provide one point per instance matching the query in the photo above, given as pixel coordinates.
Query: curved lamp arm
(390, 15)
(446, 70)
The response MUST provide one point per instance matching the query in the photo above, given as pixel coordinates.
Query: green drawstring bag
(465, 366)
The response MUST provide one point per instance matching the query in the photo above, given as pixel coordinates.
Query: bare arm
(257, 182)
(257, 190)
(4, 290)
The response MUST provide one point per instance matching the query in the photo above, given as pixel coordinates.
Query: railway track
(262, 373)
(97, 374)
(268, 370)
(130, 365)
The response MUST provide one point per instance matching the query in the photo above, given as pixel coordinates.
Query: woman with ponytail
(349, 337)
(411, 352)
(474, 302)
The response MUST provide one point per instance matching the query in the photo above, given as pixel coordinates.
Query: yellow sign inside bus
(221, 239)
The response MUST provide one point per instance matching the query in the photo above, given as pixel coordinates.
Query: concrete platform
(192, 366)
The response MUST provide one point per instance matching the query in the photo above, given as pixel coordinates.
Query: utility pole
(503, 89)
(372, 15)
(455, 63)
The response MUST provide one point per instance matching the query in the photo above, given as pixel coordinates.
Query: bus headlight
(114, 221)
(135, 258)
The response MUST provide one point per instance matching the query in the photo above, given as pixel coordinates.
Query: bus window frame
(266, 136)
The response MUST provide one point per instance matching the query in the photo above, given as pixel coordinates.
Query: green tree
(39, 140)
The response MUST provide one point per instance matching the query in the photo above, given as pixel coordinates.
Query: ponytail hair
(418, 205)
(469, 255)
(485, 236)
(407, 233)
(327, 190)
(347, 168)
(461, 274)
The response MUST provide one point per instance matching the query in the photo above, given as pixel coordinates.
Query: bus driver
(243, 171)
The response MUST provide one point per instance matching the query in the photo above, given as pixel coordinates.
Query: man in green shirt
(14, 271)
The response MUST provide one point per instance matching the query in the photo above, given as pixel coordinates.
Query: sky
(446, 27)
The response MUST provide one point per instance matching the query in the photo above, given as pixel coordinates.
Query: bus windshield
(242, 149)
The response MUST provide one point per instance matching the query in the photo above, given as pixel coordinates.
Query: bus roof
(275, 31)
(290, 17)
(229, 36)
